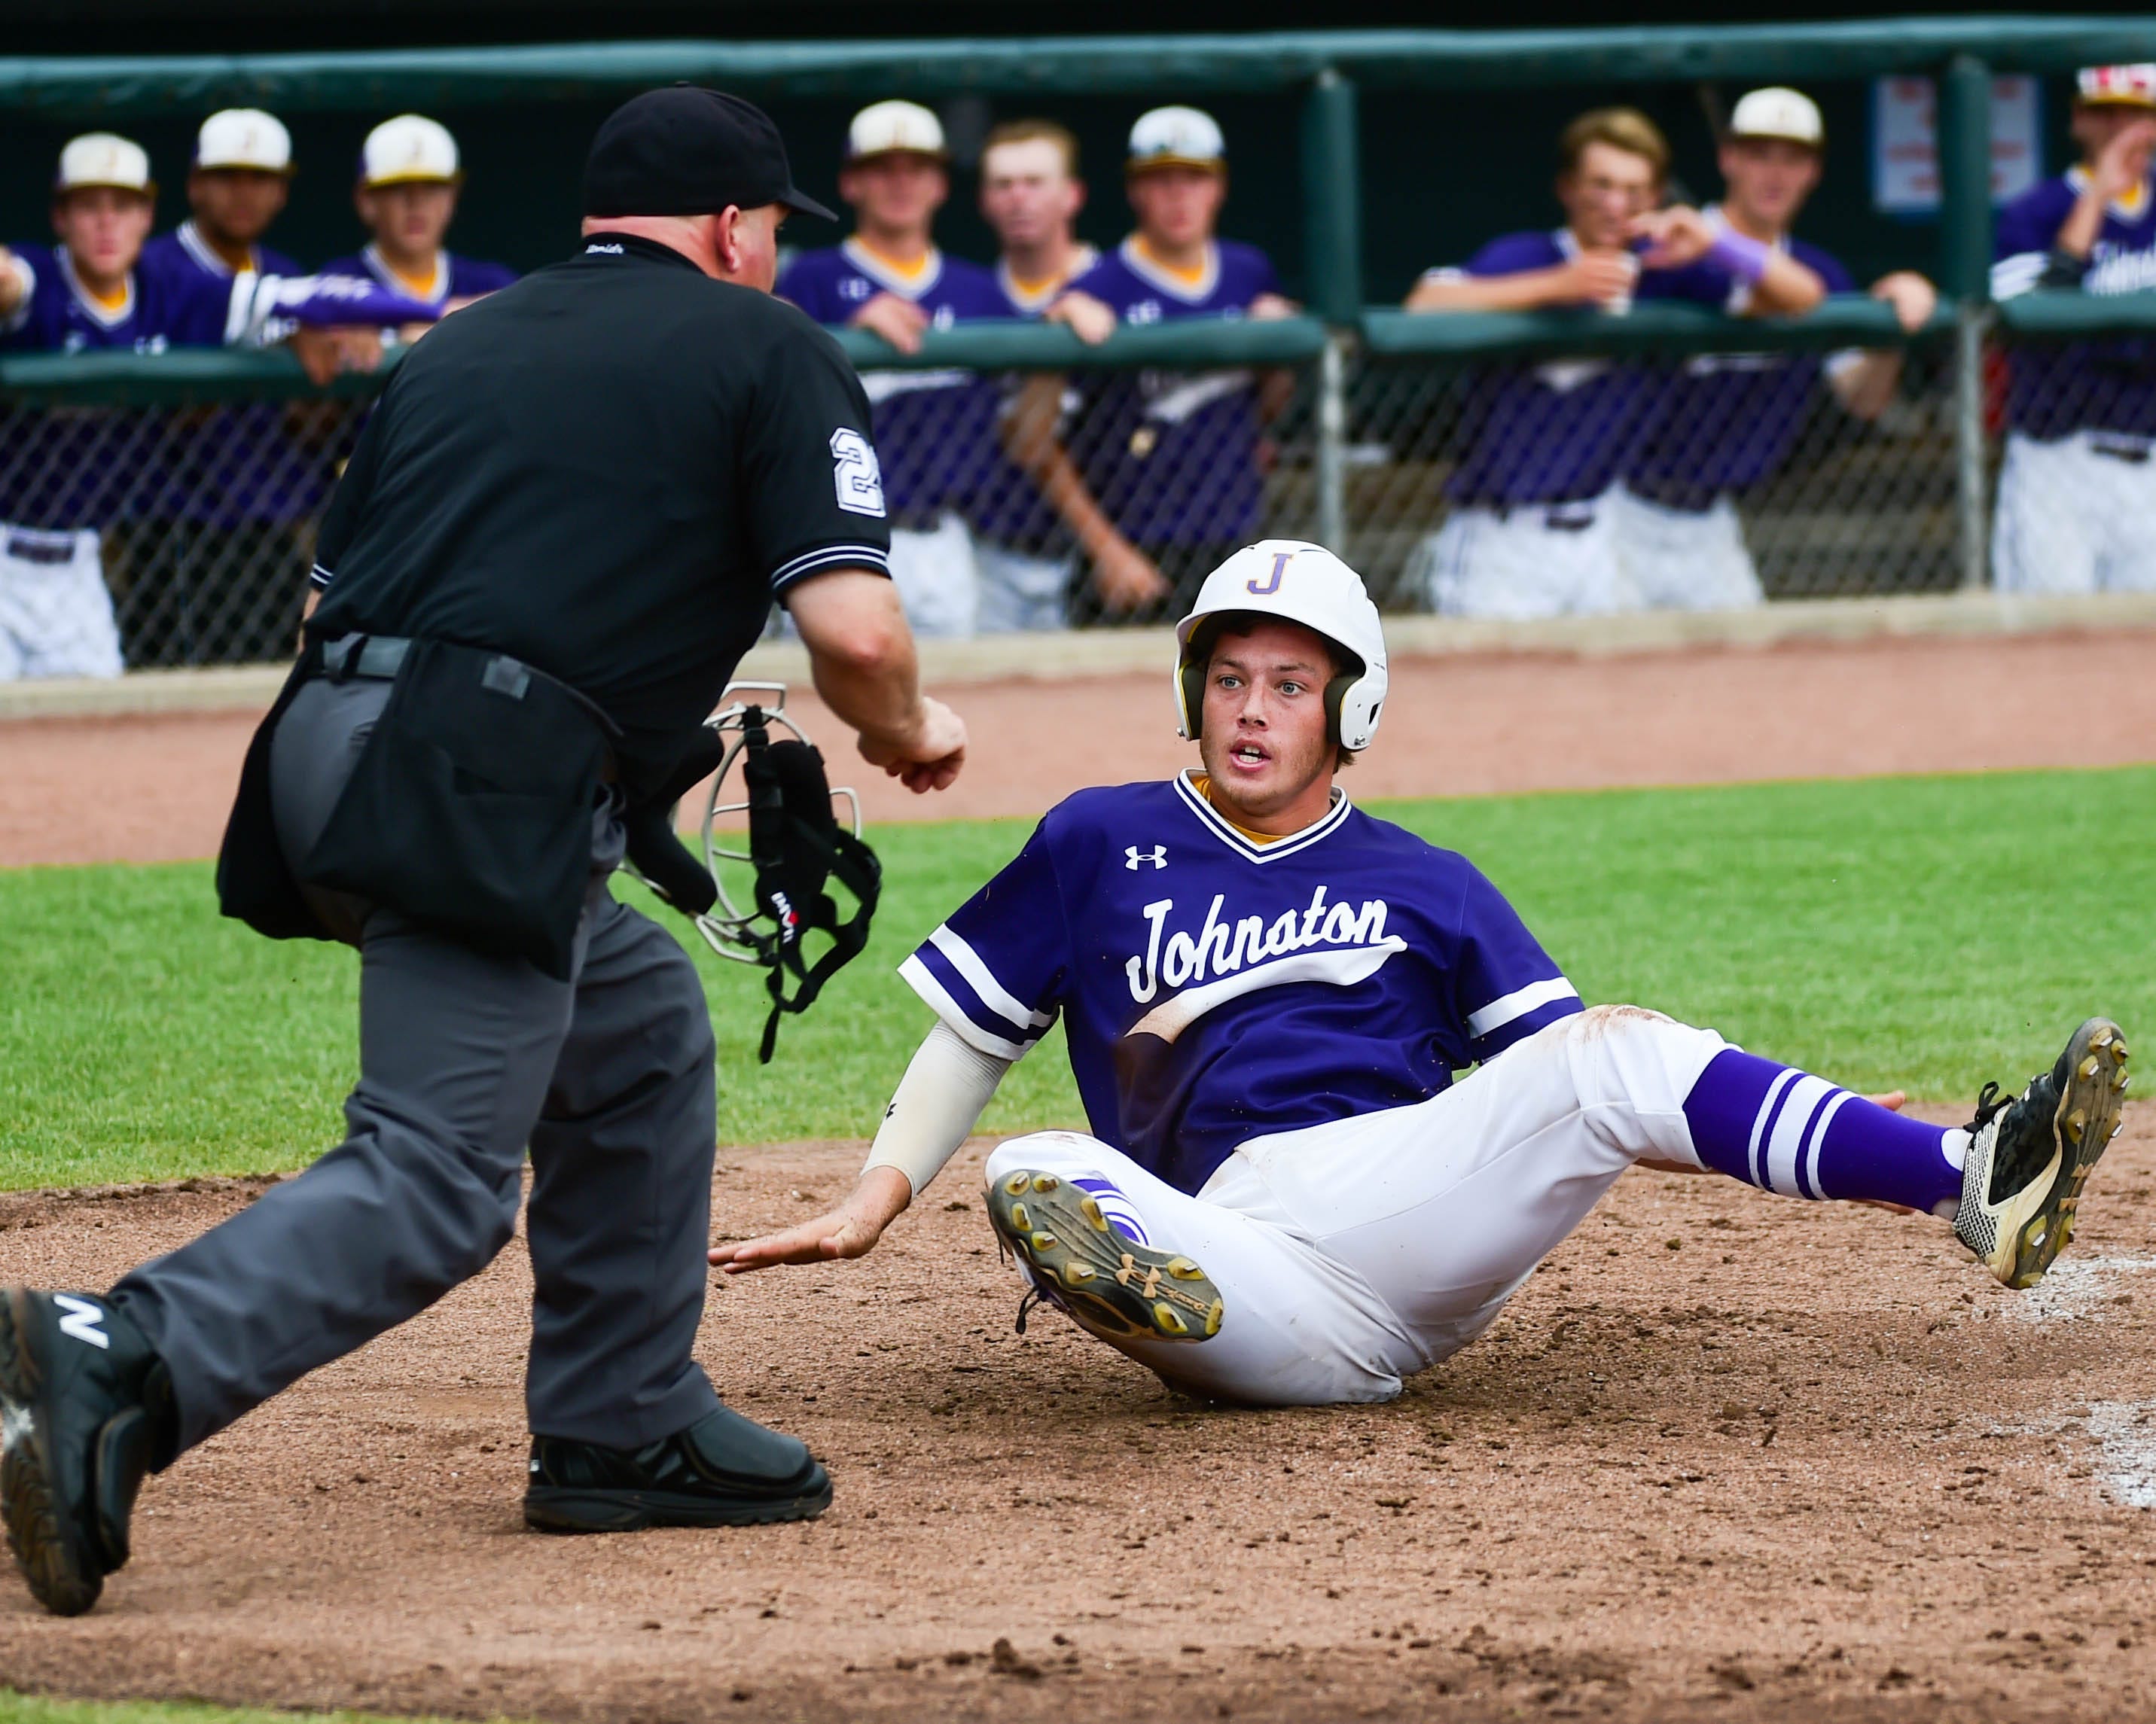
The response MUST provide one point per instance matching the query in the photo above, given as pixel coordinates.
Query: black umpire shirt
(608, 470)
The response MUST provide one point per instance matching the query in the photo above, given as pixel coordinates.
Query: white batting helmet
(1298, 583)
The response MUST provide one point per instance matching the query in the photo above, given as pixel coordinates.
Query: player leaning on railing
(1285, 1197)
(2077, 510)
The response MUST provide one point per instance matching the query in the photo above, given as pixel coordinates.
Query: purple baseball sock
(1785, 1131)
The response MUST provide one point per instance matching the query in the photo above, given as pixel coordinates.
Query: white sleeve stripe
(916, 976)
(1518, 1004)
(2018, 274)
(981, 980)
(320, 576)
(826, 556)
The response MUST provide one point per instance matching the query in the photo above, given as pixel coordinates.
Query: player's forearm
(2077, 234)
(1523, 292)
(938, 1104)
(1786, 288)
(15, 283)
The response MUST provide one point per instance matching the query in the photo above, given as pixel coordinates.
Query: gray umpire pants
(465, 1059)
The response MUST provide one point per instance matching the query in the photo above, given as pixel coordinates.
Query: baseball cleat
(77, 1439)
(2029, 1156)
(1105, 1280)
(724, 1470)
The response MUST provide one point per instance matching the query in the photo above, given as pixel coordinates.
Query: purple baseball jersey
(935, 430)
(1172, 456)
(184, 247)
(1009, 509)
(1558, 430)
(455, 278)
(58, 468)
(1726, 421)
(1213, 989)
(243, 464)
(2058, 387)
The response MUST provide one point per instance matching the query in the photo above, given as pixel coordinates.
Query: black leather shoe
(85, 1411)
(724, 1470)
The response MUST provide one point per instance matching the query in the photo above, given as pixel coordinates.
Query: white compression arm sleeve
(937, 1103)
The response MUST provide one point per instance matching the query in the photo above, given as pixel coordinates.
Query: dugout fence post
(1964, 146)
(1332, 213)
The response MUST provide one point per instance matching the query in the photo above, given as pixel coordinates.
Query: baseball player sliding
(1285, 1197)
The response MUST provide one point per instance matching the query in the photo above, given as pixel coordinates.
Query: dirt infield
(157, 788)
(1727, 1455)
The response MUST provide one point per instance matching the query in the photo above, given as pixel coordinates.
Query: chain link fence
(1516, 484)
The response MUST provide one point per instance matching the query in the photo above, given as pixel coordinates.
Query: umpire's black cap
(688, 152)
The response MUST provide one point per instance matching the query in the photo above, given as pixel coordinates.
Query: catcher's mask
(795, 847)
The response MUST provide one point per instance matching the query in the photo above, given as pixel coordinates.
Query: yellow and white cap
(1296, 581)
(244, 137)
(105, 158)
(1177, 137)
(1777, 112)
(2132, 86)
(410, 149)
(894, 128)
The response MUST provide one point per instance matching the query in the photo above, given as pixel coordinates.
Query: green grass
(1925, 932)
(34, 1709)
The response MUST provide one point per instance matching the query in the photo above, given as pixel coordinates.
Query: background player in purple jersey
(1283, 1196)
(1530, 532)
(97, 288)
(935, 430)
(2077, 510)
(410, 179)
(1169, 473)
(237, 186)
(1030, 196)
(1726, 421)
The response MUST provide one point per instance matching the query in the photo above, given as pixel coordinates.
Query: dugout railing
(211, 465)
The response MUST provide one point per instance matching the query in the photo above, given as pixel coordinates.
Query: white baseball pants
(1538, 559)
(938, 579)
(1352, 1255)
(55, 612)
(2072, 518)
(1683, 559)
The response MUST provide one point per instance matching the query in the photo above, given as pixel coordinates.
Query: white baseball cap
(1778, 113)
(105, 158)
(2126, 86)
(244, 137)
(1298, 583)
(408, 150)
(1177, 137)
(891, 128)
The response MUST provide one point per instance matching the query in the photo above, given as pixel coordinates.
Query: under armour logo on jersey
(1132, 855)
(82, 1320)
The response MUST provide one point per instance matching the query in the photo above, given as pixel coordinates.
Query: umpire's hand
(861, 653)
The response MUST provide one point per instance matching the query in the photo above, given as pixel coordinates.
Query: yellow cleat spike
(1045, 1182)
(1017, 1183)
(2076, 1125)
(1091, 1211)
(1076, 1275)
(1020, 1219)
(1169, 1321)
(2089, 1066)
(1183, 1269)
(1043, 1242)
(1212, 1317)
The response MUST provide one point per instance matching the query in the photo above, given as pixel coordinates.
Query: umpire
(566, 521)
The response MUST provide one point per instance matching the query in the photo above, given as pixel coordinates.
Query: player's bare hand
(1084, 317)
(316, 351)
(1912, 295)
(898, 322)
(1676, 236)
(927, 756)
(1601, 276)
(11, 282)
(2122, 163)
(850, 1230)
(1271, 307)
(1126, 578)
